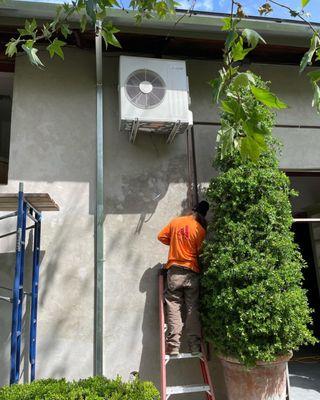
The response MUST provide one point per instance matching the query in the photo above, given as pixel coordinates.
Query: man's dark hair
(200, 211)
(201, 208)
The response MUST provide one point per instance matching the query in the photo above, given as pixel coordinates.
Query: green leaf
(65, 30)
(253, 127)
(108, 26)
(217, 85)
(101, 15)
(252, 146)
(231, 37)
(304, 3)
(56, 48)
(83, 23)
(316, 97)
(314, 76)
(242, 80)
(252, 37)
(91, 9)
(267, 98)
(227, 24)
(66, 7)
(59, 10)
(229, 106)
(307, 58)
(22, 32)
(11, 47)
(29, 28)
(225, 140)
(109, 37)
(238, 52)
(46, 31)
(32, 54)
(233, 107)
(53, 24)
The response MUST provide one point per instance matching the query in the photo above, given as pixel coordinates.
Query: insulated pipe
(99, 214)
(194, 166)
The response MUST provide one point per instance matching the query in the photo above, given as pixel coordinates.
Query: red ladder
(167, 391)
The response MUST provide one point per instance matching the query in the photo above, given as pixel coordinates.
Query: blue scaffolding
(26, 207)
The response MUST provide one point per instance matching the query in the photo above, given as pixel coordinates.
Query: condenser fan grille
(145, 88)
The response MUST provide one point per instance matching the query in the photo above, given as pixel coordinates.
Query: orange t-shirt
(184, 235)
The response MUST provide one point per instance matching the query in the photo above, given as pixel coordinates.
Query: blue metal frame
(34, 296)
(17, 291)
(24, 210)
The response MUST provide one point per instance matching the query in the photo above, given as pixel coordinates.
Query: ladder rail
(34, 297)
(206, 372)
(16, 301)
(21, 291)
(166, 392)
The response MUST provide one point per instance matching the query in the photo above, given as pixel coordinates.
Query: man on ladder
(184, 235)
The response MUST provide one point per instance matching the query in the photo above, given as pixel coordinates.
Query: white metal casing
(172, 111)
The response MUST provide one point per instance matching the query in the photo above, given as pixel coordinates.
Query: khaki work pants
(182, 290)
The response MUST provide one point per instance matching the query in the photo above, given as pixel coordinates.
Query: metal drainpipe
(99, 214)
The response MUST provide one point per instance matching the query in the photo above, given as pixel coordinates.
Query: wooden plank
(40, 201)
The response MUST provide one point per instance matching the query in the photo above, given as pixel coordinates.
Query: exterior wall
(53, 150)
(300, 146)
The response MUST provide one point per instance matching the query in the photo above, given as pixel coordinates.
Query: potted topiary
(254, 309)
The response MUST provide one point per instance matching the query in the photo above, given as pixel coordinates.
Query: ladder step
(7, 299)
(183, 356)
(187, 389)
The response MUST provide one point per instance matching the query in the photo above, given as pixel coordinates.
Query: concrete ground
(305, 380)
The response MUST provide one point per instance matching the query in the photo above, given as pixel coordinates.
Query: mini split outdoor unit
(154, 97)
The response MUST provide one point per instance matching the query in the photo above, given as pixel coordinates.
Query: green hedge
(253, 305)
(97, 388)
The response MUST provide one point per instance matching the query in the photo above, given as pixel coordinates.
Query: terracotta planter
(266, 381)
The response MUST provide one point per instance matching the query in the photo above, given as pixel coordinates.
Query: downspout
(99, 214)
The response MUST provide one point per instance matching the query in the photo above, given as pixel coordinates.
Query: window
(6, 89)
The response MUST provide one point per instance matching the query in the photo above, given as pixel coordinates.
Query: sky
(250, 7)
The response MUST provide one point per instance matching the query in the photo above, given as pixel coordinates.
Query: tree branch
(297, 14)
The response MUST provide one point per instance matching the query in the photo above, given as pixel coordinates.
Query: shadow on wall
(140, 191)
(150, 356)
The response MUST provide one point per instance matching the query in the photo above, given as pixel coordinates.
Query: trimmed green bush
(97, 388)
(253, 305)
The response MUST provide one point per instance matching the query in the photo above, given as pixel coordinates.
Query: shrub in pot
(254, 309)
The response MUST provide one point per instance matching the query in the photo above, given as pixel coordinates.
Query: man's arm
(165, 235)
(200, 240)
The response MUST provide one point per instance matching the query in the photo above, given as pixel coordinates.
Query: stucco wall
(53, 150)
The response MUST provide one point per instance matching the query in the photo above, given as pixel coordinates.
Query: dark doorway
(307, 205)
(304, 240)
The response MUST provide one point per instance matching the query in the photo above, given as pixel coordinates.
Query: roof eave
(198, 23)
